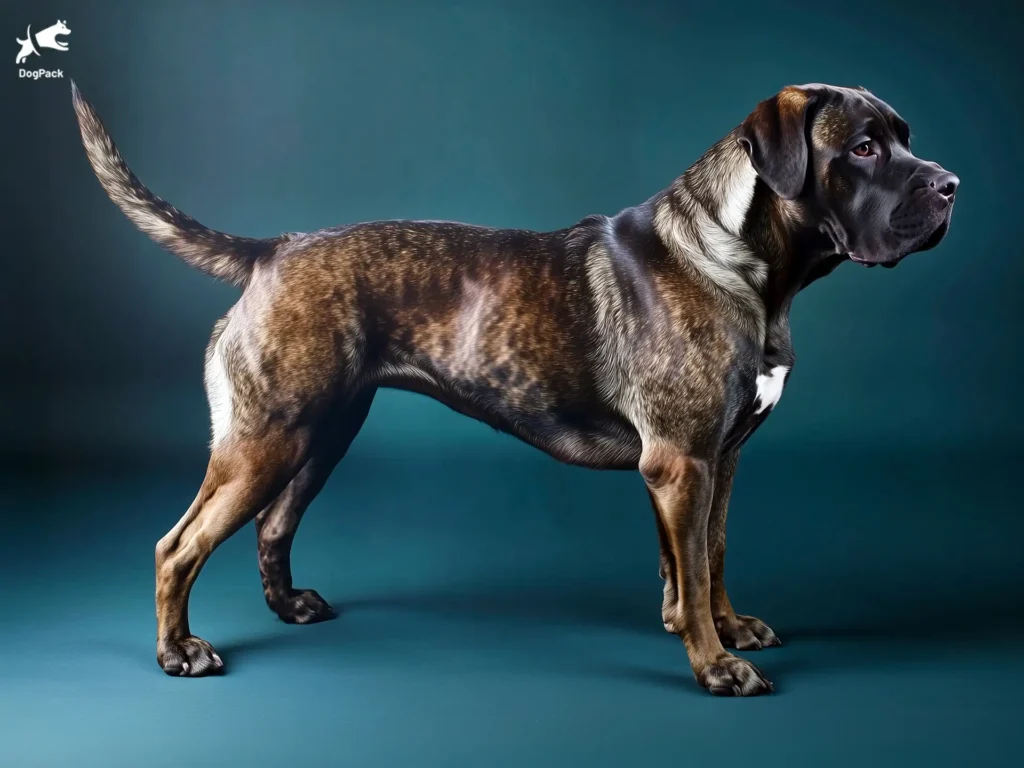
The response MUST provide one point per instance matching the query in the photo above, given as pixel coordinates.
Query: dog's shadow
(562, 603)
(941, 624)
(519, 606)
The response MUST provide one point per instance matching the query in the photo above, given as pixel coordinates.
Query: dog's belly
(575, 432)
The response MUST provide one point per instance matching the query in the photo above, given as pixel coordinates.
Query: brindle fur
(626, 342)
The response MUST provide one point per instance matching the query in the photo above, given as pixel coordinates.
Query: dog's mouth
(936, 237)
(863, 262)
(887, 263)
(907, 247)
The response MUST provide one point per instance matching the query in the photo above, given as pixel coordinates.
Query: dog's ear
(775, 138)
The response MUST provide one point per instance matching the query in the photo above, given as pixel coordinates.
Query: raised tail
(217, 254)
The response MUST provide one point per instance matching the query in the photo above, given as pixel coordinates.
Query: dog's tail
(217, 254)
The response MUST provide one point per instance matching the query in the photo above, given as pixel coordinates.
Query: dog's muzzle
(920, 221)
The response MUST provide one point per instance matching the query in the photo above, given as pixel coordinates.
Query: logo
(46, 38)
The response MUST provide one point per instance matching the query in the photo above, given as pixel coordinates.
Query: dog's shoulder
(627, 240)
(632, 233)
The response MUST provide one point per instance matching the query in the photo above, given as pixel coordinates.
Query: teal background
(499, 608)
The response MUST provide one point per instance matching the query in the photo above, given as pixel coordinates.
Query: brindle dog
(654, 340)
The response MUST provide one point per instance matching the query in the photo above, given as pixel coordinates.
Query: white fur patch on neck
(721, 259)
(701, 221)
(769, 387)
(737, 194)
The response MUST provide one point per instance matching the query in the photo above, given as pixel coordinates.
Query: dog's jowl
(655, 340)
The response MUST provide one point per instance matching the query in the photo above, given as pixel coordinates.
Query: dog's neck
(742, 240)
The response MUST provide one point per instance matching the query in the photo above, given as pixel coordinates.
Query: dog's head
(844, 156)
(60, 28)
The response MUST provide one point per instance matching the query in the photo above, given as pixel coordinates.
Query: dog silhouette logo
(46, 38)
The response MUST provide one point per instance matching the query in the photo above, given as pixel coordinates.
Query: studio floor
(504, 610)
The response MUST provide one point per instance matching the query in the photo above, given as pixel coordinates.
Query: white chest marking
(769, 387)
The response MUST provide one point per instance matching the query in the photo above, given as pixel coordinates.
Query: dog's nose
(945, 183)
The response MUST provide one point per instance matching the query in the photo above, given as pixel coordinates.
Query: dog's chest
(756, 400)
(769, 388)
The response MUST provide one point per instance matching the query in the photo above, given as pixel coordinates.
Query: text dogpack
(36, 74)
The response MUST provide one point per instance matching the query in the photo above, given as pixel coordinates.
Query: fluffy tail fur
(217, 254)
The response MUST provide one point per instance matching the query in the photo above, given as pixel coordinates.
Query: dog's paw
(746, 633)
(189, 657)
(302, 606)
(732, 676)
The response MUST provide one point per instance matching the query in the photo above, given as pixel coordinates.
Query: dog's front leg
(667, 571)
(682, 487)
(745, 633)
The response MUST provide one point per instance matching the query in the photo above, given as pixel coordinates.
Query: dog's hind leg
(277, 523)
(243, 475)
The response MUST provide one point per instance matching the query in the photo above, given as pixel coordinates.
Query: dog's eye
(864, 150)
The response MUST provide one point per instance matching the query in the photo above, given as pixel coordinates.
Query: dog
(656, 340)
(47, 38)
